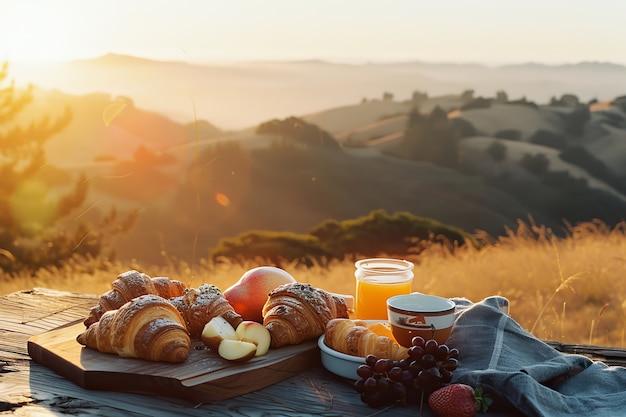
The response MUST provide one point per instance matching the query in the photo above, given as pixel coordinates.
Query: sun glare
(36, 34)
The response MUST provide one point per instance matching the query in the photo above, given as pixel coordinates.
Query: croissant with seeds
(296, 312)
(147, 327)
(129, 285)
(199, 305)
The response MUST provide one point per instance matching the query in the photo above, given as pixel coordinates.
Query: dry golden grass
(95, 277)
(570, 290)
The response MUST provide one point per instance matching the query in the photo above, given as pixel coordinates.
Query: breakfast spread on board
(203, 335)
(158, 319)
(155, 318)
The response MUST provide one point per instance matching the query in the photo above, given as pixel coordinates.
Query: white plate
(339, 363)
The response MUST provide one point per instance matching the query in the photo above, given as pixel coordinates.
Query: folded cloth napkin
(533, 378)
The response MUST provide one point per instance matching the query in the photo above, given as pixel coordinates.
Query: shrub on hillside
(523, 102)
(595, 167)
(477, 103)
(433, 137)
(576, 120)
(497, 151)
(612, 118)
(563, 181)
(379, 232)
(463, 127)
(467, 95)
(536, 164)
(501, 97)
(576, 202)
(548, 138)
(581, 157)
(509, 134)
(418, 97)
(620, 103)
(373, 235)
(566, 100)
(560, 198)
(273, 247)
(298, 130)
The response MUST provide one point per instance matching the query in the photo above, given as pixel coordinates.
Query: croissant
(199, 306)
(129, 285)
(352, 337)
(147, 327)
(296, 312)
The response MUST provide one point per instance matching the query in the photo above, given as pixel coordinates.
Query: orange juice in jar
(377, 279)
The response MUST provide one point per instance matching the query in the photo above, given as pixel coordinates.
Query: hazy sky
(489, 31)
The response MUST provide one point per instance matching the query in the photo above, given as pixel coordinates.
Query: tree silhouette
(433, 138)
(32, 234)
(497, 151)
(21, 150)
(297, 130)
(576, 120)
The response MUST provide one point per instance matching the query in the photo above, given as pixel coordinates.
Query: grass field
(569, 289)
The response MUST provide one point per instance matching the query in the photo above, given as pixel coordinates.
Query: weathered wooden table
(30, 389)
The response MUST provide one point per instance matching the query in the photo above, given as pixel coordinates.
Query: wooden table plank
(28, 388)
(204, 376)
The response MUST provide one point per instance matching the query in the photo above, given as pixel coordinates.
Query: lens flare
(112, 111)
(222, 199)
(31, 206)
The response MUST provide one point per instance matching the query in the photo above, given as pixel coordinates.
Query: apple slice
(236, 350)
(217, 330)
(254, 332)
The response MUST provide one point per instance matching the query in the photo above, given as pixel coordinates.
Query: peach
(249, 294)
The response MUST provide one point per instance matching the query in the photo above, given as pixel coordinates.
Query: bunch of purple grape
(428, 367)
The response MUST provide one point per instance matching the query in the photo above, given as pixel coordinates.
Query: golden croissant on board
(199, 305)
(129, 285)
(147, 327)
(296, 312)
(352, 337)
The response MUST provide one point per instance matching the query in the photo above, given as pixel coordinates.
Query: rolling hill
(195, 183)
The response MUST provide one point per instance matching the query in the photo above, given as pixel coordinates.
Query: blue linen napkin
(531, 377)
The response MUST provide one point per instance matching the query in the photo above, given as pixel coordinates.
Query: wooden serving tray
(203, 377)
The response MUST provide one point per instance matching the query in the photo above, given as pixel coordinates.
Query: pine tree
(433, 138)
(32, 232)
(21, 149)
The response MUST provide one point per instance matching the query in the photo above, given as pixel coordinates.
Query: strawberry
(458, 400)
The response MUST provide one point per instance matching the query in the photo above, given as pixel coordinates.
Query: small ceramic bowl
(417, 314)
(339, 363)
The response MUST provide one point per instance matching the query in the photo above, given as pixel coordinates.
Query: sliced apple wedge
(217, 330)
(254, 332)
(236, 350)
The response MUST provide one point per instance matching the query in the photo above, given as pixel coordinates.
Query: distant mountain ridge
(124, 58)
(240, 95)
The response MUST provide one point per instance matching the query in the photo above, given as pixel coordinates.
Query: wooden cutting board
(203, 377)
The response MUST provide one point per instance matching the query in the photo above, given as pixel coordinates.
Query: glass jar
(377, 279)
